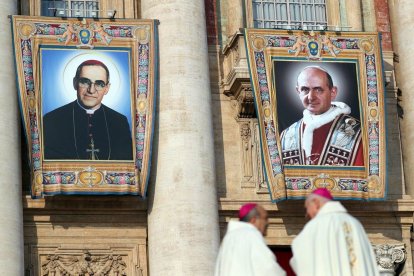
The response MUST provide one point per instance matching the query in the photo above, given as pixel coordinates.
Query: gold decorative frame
(265, 48)
(136, 37)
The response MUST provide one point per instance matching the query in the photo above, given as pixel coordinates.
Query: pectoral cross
(92, 150)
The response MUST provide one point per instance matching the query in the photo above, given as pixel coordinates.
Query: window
(70, 8)
(289, 14)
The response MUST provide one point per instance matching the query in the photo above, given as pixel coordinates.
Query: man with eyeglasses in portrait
(326, 135)
(86, 129)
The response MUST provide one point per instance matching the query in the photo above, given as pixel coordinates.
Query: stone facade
(97, 235)
(388, 222)
(11, 233)
(211, 107)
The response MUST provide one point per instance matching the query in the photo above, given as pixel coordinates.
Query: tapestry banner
(319, 98)
(87, 91)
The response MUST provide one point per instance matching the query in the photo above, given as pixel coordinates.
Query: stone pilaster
(11, 219)
(183, 232)
(389, 258)
(402, 23)
(368, 15)
(353, 13)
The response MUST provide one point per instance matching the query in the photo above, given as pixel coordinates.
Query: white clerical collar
(316, 121)
(88, 111)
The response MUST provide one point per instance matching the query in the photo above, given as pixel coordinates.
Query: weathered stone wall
(11, 231)
(386, 222)
(98, 233)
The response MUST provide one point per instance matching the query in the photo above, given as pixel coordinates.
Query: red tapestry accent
(283, 256)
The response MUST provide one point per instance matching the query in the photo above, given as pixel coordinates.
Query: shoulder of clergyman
(60, 111)
(292, 128)
(348, 119)
(291, 134)
(113, 113)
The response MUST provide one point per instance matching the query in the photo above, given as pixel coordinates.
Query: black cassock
(69, 133)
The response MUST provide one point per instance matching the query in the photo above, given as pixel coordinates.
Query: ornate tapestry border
(51, 177)
(296, 181)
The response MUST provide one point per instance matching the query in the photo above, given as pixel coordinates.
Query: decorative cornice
(82, 204)
(246, 103)
(403, 207)
(232, 41)
(242, 93)
(236, 79)
(84, 264)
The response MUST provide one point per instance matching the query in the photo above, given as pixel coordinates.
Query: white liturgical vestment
(333, 243)
(244, 252)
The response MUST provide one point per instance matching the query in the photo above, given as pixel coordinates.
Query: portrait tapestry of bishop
(86, 129)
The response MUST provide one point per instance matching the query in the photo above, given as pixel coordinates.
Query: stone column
(402, 24)
(11, 219)
(389, 258)
(183, 232)
(392, 5)
(353, 14)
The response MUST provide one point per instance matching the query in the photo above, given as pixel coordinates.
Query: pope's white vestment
(244, 252)
(333, 243)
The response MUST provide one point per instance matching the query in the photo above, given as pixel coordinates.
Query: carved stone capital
(246, 102)
(243, 101)
(390, 257)
(245, 132)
